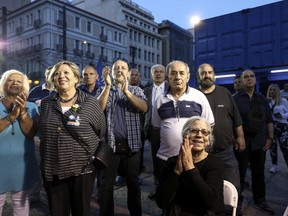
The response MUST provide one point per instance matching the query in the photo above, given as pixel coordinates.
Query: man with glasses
(259, 134)
(173, 108)
(227, 123)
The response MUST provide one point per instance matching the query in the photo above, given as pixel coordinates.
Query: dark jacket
(65, 147)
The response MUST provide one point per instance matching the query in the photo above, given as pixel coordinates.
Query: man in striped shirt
(123, 105)
(174, 107)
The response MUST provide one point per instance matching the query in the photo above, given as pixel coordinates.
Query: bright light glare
(195, 20)
(279, 71)
(225, 76)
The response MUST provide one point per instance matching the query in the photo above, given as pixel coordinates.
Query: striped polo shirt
(170, 116)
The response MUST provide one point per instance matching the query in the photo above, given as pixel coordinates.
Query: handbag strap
(76, 138)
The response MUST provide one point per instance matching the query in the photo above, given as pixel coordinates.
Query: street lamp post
(195, 20)
(83, 53)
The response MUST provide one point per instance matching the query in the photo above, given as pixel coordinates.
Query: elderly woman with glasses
(18, 164)
(192, 182)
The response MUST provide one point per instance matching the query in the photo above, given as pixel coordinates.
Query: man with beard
(228, 123)
(173, 108)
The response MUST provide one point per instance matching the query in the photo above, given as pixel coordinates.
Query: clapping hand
(106, 75)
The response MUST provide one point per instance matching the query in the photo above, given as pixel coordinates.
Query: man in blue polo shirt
(91, 76)
(37, 93)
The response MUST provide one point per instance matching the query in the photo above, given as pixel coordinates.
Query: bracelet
(270, 139)
(21, 114)
(8, 118)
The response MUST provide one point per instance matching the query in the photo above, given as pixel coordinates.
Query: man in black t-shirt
(228, 123)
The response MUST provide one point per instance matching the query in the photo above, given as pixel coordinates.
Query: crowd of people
(199, 137)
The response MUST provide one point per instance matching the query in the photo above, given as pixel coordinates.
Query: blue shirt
(85, 89)
(18, 163)
(38, 93)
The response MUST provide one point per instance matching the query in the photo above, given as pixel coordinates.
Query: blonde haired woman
(279, 109)
(18, 164)
(71, 126)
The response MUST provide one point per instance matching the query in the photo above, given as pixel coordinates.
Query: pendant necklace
(67, 100)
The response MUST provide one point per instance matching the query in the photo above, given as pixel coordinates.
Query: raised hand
(187, 158)
(106, 75)
(21, 102)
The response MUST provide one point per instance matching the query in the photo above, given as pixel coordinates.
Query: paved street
(276, 186)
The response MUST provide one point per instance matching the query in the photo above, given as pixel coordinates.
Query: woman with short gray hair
(192, 182)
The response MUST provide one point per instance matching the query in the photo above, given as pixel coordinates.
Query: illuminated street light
(195, 20)
(83, 43)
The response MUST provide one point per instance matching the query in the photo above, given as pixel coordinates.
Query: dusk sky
(181, 11)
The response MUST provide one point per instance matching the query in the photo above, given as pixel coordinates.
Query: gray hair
(176, 61)
(187, 127)
(157, 66)
(6, 75)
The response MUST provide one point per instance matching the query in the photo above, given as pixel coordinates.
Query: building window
(120, 37)
(139, 37)
(139, 53)
(60, 15)
(115, 36)
(38, 14)
(135, 36)
(89, 25)
(20, 22)
(77, 22)
(77, 44)
(60, 40)
(130, 34)
(89, 47)
(31, 18)
(27, 21)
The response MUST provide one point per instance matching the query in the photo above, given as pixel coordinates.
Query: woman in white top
(279, 109)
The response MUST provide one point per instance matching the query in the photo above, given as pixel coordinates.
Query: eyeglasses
(249, 76)
(195, 131)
